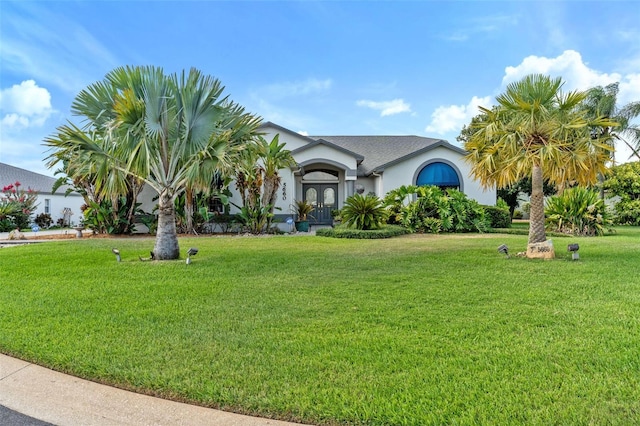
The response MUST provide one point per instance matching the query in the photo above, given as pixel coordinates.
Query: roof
(39, 183)
(384, 151)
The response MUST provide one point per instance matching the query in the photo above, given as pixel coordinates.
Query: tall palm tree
(603, 102)
(172, 132)
(274, 157)
(539, 131)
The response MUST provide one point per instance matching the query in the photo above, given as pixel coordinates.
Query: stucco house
(332, 168)
(56, 204)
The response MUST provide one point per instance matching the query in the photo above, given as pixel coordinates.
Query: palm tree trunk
(536, 221)
(271, 185)
(188, 210)
(166, 246)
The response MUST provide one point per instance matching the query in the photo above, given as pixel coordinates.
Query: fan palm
(602, 102)
(172, 132)
(538, 130)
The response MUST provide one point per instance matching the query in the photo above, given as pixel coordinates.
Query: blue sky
(333, 67)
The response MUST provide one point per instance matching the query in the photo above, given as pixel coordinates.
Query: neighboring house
(332, 168)
(57, 205)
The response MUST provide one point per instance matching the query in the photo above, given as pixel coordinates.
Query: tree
(274, 157)
(602, 102)
(624, 182)
(172, 132)
(538, 130)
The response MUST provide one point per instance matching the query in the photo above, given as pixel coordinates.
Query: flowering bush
(16, 206)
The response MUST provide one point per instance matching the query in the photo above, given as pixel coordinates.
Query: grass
(416, 330)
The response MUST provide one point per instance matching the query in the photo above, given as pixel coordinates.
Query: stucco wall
(57, 203)
(406, 172)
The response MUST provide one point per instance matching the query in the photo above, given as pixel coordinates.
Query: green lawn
(414, 330)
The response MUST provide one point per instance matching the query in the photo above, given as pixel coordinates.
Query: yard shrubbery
(386, 231)
(16, 206)
(577, 211)
(436, 210)
(625, 183)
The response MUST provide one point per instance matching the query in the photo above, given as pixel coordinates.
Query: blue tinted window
(438, 174)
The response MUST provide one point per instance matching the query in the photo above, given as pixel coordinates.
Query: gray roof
(383, 151)
(39, 183)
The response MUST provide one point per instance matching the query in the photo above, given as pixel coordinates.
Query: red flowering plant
(16, 206)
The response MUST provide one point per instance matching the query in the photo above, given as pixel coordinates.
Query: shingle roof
(382, 151)
(39, 183)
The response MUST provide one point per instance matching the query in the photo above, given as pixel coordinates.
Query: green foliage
(386, 231)
(438, 211)
(419, 330)
(302, 209)
(624, 182)
(256, 219)
(16, 206)
(396, 200)
(498, 217)
(364, 212)
(105, 217)
(577, 211)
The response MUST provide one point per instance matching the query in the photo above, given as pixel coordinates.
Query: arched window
(438, 174)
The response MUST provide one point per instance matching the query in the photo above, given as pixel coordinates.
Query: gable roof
(39, 183)
(383, 151)
(359, 158)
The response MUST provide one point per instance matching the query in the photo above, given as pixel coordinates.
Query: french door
(324, 198)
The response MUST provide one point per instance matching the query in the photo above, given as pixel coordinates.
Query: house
(60, 207)
(332, 168)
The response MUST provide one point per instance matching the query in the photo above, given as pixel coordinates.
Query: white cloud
(303, 133)
(569, 65)
(395, 106)
(452, 117)
(25, 105)
(576, 74)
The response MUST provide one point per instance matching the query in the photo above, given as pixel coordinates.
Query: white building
(332, 168)
(59, 206)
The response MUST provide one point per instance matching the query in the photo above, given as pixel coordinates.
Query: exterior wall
(147, 200)
(291, 140)
(370, 184)
(58, 202)
(405, 173)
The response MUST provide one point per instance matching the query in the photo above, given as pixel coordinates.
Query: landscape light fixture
(117, 253)
(504, 249)
(573, 248)
(191, 252)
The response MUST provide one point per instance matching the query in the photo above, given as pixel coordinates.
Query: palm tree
(172, 132)
(539, 131)
(274, 157)
(602, 102)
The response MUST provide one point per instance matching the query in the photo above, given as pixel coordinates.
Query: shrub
(438, 211)
(625, 183)
(386, 231)
(364, 213)
(627, 212)
(396, 200)
(16, 206)
(517, 214)
(498, 217)
(43, 220)
(577, 211)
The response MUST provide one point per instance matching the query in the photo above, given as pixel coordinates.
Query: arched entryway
(320, 188)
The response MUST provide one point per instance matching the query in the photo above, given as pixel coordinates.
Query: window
(321, 175)
(47, 206)
(438, 174)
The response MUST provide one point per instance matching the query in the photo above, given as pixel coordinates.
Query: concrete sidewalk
(66, 400)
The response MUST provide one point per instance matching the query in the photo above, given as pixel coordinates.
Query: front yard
(415, 330)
